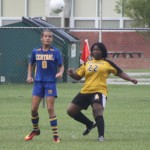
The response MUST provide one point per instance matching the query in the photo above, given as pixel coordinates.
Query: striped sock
(35, 121)
(53, 123)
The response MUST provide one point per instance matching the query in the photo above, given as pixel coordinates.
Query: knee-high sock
(35, 121)
(80, 117)
(54, 126)
(100, 125)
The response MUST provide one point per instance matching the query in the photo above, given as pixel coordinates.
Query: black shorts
(84, 100)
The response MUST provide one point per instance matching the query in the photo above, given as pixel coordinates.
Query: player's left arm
(119, 72)
(125, 76)
(60, 71)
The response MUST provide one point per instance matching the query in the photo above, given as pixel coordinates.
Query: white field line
(121, 80)
(141, 77)
(139, 74)
(140, 82)
(128, 83)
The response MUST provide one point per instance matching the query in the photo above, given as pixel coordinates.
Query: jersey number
(93, 68)
(44, 64)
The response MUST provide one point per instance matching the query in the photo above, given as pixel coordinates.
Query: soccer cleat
(87, 130)
(32, 134)
(56, 140)
(101, 139)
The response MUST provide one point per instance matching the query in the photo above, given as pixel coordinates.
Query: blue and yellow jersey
(96, 73)
(46, 64)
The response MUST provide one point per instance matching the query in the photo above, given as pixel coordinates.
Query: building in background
(77, 13)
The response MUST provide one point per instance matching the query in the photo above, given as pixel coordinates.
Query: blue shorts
(43, 89)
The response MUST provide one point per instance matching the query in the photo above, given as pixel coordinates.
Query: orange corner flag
(85, 52)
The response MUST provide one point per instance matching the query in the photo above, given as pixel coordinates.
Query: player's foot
(87, 130)
(32, 134)
(56, 140)
(101, 139)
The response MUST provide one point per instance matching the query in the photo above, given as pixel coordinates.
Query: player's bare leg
(34, 118)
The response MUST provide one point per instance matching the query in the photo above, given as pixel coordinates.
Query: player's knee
(69, 112)
(73, 110)
(97, 112)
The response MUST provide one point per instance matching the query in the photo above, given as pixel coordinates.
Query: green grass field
(127, 120)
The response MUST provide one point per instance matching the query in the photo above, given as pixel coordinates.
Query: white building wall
(36, 8)
(79, 13)
(108, 8)
(16, 8)
(12, 8)
(84, 8)
(87, 8)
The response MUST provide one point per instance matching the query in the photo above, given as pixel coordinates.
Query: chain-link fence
(127, 109)
(129, 49)
(16, 45)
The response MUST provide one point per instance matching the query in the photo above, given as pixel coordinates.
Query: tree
(138, 10)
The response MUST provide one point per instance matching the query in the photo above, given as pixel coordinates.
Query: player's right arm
(73, 74)
(30, 67)
(77, 74)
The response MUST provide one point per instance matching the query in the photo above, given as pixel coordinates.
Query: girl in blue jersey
(48, 65)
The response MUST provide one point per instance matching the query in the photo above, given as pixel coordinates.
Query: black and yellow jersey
(96, 73)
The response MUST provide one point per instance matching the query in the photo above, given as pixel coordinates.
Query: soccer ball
(56, 6)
